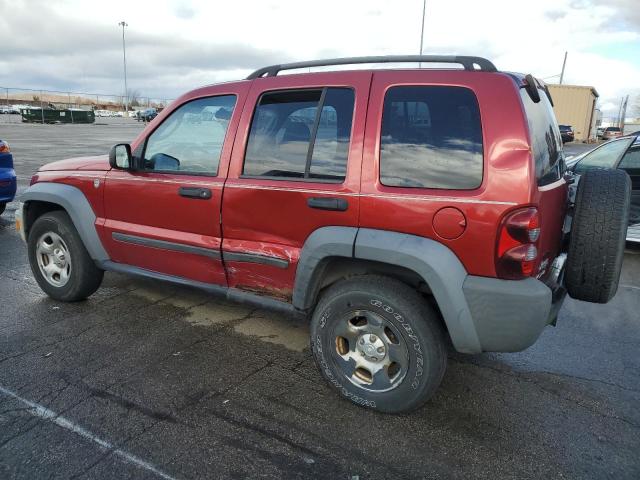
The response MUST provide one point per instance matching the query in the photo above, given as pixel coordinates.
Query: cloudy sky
(173, 46)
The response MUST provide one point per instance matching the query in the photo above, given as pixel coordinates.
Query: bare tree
(133, 97)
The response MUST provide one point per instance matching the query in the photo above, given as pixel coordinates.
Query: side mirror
(164, 162)
(120, 156)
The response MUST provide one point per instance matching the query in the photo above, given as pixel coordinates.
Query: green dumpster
(51, 115)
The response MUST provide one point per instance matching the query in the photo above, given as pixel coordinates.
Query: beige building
(575, 105)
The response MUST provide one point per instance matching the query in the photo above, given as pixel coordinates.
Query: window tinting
(431, 138)
(605, 156)
(546, 142)
(631, 159)
(301, 134)
(190, 140)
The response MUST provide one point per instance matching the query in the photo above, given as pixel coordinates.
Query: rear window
(612, 129)
(431, 138)
(546, 143)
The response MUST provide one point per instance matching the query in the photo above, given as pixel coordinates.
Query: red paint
(271, 217)
(97, 163)
(449, 223)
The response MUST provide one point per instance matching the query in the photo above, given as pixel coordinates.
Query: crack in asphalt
(551, 392)
(586, 379)
(98, 323)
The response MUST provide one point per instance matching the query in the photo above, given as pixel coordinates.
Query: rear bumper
(510, 315)
(7, 184)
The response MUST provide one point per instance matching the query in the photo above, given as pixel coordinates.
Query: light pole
(564, 64)
(424, 8)
(124, 58)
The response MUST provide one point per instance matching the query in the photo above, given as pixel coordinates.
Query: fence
(104, 105)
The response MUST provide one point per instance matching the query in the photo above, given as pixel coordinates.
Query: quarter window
(190, 140)
(431, 138)
(301, 135)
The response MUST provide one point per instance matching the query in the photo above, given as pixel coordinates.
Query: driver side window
(190, 140)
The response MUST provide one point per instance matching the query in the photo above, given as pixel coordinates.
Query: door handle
(195, 192)
(328, 203)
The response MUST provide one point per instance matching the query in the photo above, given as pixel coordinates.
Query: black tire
(598, 233)
(84, 277)
(415, 329)
(2, 207)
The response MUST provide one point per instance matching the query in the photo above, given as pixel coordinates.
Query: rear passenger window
(301, 135)
(431, 138)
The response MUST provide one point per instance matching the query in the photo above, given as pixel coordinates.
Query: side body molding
(77, 206)
(440, 269)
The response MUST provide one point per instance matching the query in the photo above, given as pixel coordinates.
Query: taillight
(517, 249)
(34, 179)
(4, 147)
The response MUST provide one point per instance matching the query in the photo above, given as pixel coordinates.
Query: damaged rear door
(295, 168)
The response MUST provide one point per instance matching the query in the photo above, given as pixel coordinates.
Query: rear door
(295, 168)
(165, 215)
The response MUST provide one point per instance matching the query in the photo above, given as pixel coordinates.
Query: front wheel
(2, 207)
(59, 261)
(379, 343)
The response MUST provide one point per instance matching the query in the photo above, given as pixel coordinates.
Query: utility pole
(564, 63)
(424, 8)
(623, 113)
(124, 58)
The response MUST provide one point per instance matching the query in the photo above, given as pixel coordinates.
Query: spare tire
(598, 233)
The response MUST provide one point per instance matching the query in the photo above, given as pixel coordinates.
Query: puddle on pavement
(187, 299)
(216, 313)
(268, 327)
(152, 294)
(273, 328)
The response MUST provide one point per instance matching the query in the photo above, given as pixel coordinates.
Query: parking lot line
(46, 414)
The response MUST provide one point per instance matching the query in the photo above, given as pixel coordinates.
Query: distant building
(575, 105)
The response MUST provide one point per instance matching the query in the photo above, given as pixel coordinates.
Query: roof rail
(469, 63)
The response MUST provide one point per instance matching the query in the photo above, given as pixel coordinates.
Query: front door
(164, 216)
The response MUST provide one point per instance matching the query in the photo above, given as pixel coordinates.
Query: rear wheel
(59, 261)
(378, 343)
(598, 233)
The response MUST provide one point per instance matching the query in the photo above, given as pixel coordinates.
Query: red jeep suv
(399, 210)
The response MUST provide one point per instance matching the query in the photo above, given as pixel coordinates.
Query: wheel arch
(44, 197)
(332, 253)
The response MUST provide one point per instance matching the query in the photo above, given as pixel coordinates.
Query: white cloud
(177, 45)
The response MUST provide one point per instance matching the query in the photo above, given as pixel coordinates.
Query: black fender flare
(74, 202)
(438, 266)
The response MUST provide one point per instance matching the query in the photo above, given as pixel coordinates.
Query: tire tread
(598, 233)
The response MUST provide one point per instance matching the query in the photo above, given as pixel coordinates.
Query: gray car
(622, 153)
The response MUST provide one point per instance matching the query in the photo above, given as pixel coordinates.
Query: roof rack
(469, 63)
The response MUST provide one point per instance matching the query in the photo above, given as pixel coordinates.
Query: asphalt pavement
(151, 380)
